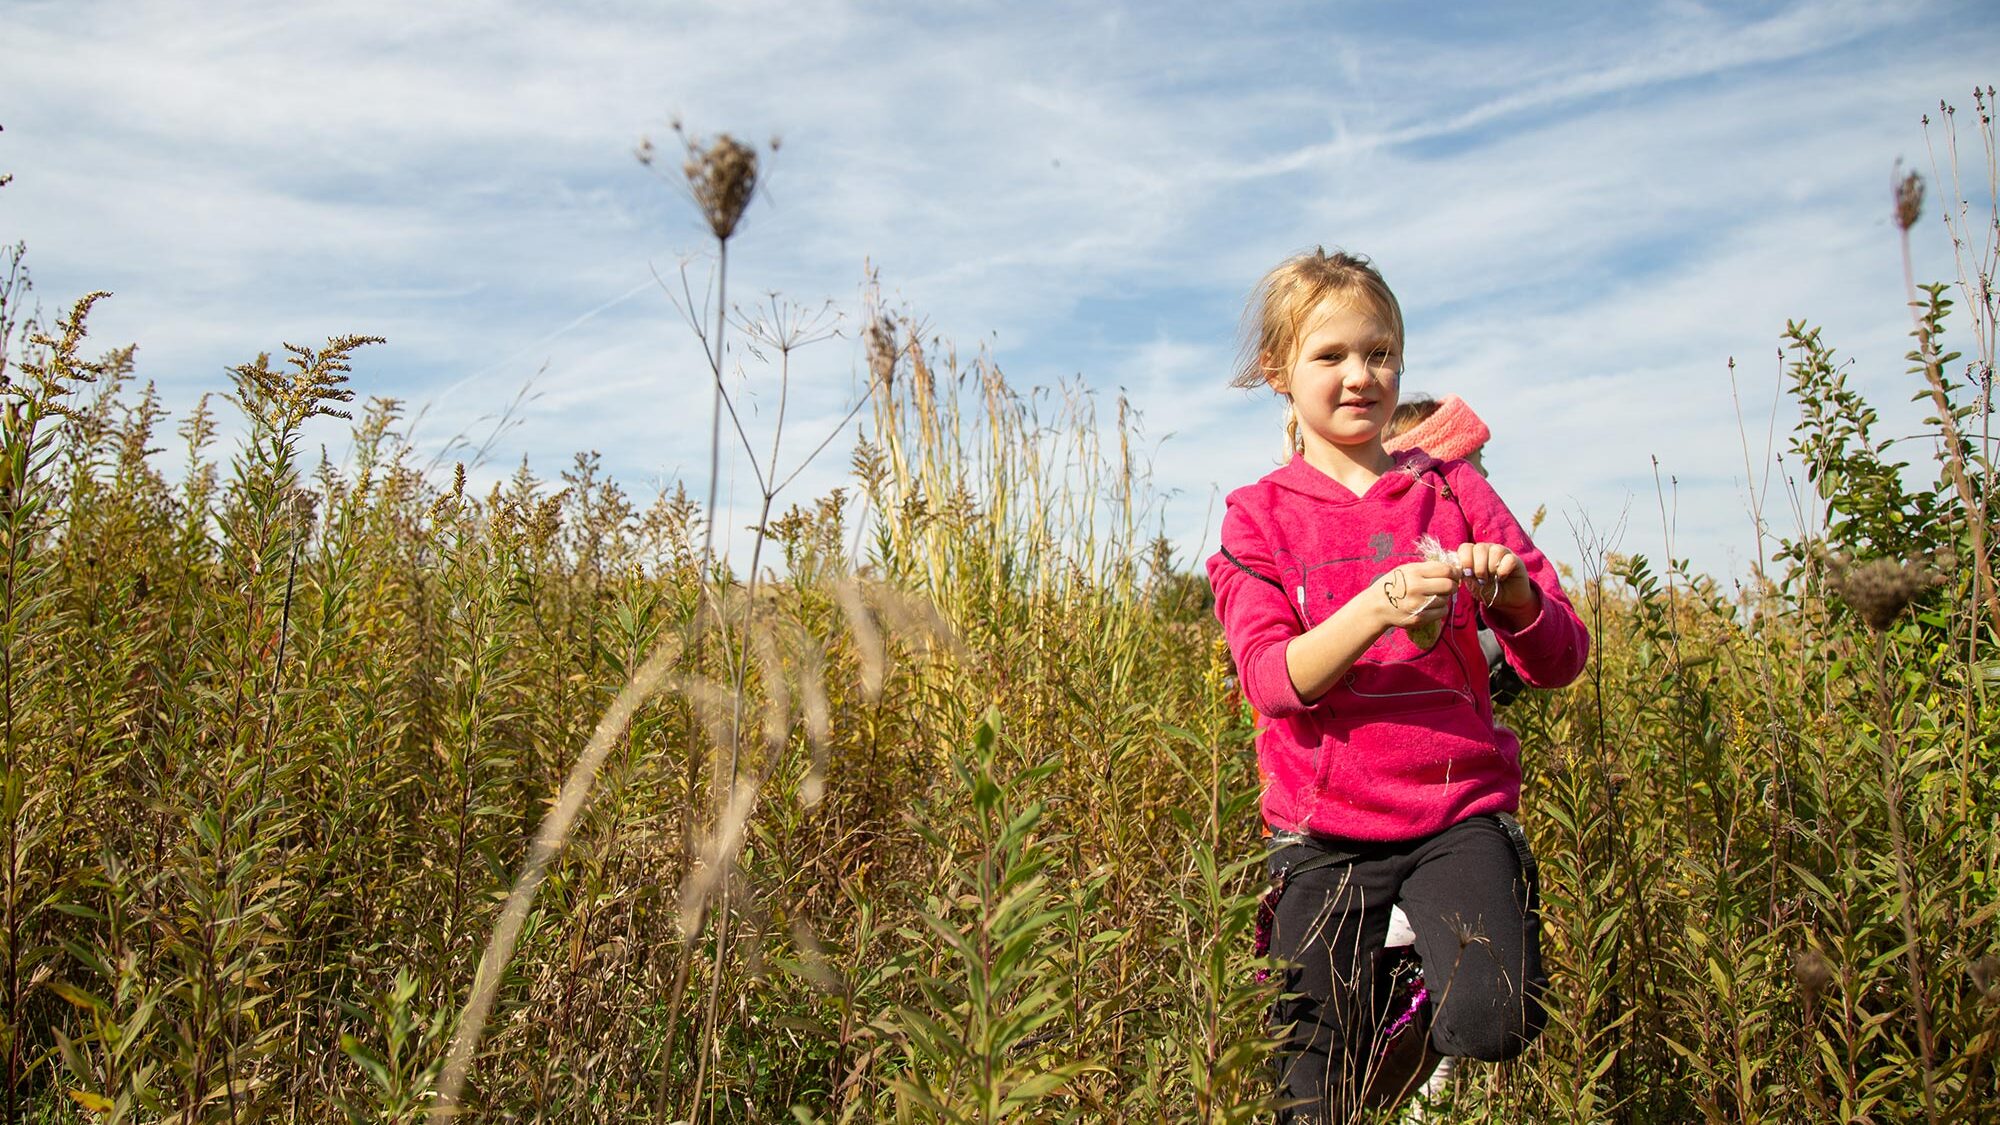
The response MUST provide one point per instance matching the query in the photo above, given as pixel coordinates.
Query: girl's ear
(1274, 374)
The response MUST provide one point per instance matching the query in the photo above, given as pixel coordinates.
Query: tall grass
(314, 771)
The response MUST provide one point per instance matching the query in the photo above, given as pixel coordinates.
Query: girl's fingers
(1491, 572)
(1418, 592)
(1478, 561)
(1431, 578)
(1484, 567)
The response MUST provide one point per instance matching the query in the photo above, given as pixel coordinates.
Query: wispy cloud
(1586, 211)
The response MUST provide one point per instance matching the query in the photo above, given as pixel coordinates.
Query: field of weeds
(344, 792)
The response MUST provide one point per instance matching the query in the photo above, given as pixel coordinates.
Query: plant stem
(1892, 798)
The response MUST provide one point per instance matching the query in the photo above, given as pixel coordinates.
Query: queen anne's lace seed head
(1878, 591)
(1909, 200)
(1814, 972)
(722, 174)
(1986, 978)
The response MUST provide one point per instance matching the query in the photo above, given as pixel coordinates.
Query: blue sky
(1586, 209)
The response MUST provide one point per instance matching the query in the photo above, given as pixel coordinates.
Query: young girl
(1346, 585)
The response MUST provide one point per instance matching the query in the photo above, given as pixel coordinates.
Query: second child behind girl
(1448, 430)
(1386, 777)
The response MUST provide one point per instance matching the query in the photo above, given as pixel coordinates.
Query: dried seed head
(546, 521)
(1909, 200)
(1814, 972)
(880, 342)
(723, 176)
(1986, 978)
(1879, 591)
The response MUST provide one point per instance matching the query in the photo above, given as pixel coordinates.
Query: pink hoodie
(1405, 744)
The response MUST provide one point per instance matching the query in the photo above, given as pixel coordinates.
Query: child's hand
(1415, 594)
(1497, 577)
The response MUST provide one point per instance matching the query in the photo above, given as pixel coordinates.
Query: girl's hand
(1414, 594)
(1499, 580)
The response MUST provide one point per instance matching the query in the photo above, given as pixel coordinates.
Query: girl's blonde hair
(1279, 306)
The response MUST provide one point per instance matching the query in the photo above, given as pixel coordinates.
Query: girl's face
(1343, 378)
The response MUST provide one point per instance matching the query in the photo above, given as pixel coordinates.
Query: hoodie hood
(1300, 477)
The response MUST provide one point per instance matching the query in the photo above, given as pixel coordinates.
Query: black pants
(1469, 902)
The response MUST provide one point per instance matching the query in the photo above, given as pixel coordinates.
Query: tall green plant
(32, 409)
(971, 1052)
